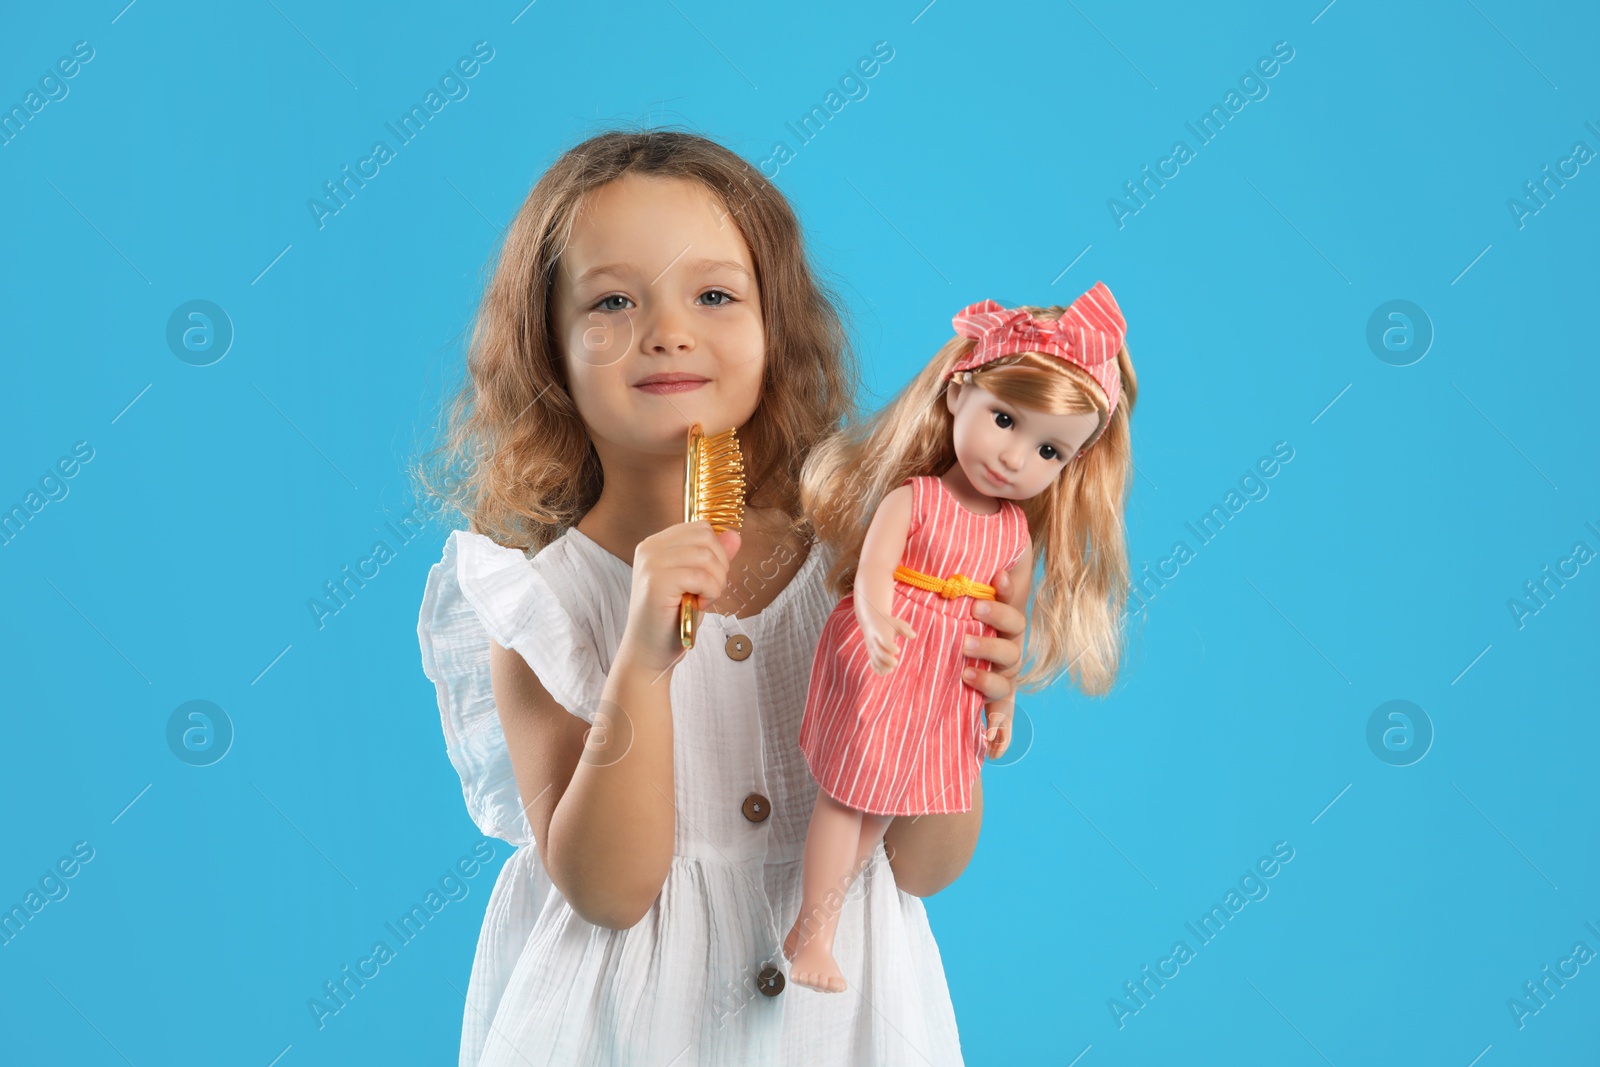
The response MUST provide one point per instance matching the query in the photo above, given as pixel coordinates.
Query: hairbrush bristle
(719, 481)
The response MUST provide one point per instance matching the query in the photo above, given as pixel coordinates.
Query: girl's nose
(666, 331)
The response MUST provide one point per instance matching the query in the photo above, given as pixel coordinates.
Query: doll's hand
(880, 630)
(998, 731)
(1004, 650)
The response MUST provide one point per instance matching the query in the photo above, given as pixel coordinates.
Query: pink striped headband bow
(1088, 335)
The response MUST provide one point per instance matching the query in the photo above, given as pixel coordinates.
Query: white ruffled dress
(680, 986)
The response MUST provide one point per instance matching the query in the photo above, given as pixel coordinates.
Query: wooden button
(770, 981)
(739, 647)
(757, 807)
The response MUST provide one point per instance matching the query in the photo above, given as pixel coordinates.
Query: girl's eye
(604, 304)
(1002, 420)
(718, 292)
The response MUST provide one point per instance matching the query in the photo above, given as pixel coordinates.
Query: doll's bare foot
(812, 965)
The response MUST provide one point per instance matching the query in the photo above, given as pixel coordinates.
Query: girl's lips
(671, 387)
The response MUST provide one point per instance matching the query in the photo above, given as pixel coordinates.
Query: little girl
(1030, 391)
(657, 797)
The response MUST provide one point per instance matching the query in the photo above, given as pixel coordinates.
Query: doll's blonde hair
(516, 460)
(1075, 525)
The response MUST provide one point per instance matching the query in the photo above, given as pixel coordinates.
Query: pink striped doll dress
(911, 742)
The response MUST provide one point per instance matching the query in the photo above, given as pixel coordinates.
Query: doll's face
(656, 279)
(1008, 451)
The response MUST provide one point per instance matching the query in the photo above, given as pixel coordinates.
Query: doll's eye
(602, 305)
(1049, 452)
(1007, 420)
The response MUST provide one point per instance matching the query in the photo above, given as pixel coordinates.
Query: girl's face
(657, 281)
(1008, 451)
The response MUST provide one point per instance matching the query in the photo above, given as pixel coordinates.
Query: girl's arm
(928, 852)
(599, 797)
(603, 825)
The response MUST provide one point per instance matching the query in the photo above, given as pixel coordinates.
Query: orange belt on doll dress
(953, 586)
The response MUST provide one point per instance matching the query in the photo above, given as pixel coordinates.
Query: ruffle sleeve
(481, 591)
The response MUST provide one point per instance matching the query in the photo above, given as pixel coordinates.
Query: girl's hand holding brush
(685, 558)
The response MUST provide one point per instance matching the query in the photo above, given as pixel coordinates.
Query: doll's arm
(881, 553)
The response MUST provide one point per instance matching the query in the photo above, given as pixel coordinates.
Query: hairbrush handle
(713, 489)
(688, 618)
(687, 615)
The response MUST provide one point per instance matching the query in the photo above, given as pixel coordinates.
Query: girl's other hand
(1004, 650)
(687, 557)
(880, 629)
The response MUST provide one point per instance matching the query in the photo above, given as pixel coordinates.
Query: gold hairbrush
(713, 490)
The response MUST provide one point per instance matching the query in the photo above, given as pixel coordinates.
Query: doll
(990, 444)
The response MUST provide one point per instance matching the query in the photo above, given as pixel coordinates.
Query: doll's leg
(831, 840)
(872, 830)
(873, 827)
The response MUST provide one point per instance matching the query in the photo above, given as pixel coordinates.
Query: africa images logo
(1252, 87)
(452, 86)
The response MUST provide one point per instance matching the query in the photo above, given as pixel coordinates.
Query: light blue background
(1379, 565)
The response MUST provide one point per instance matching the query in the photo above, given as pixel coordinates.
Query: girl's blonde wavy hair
(1076, 525)
(516, 459)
